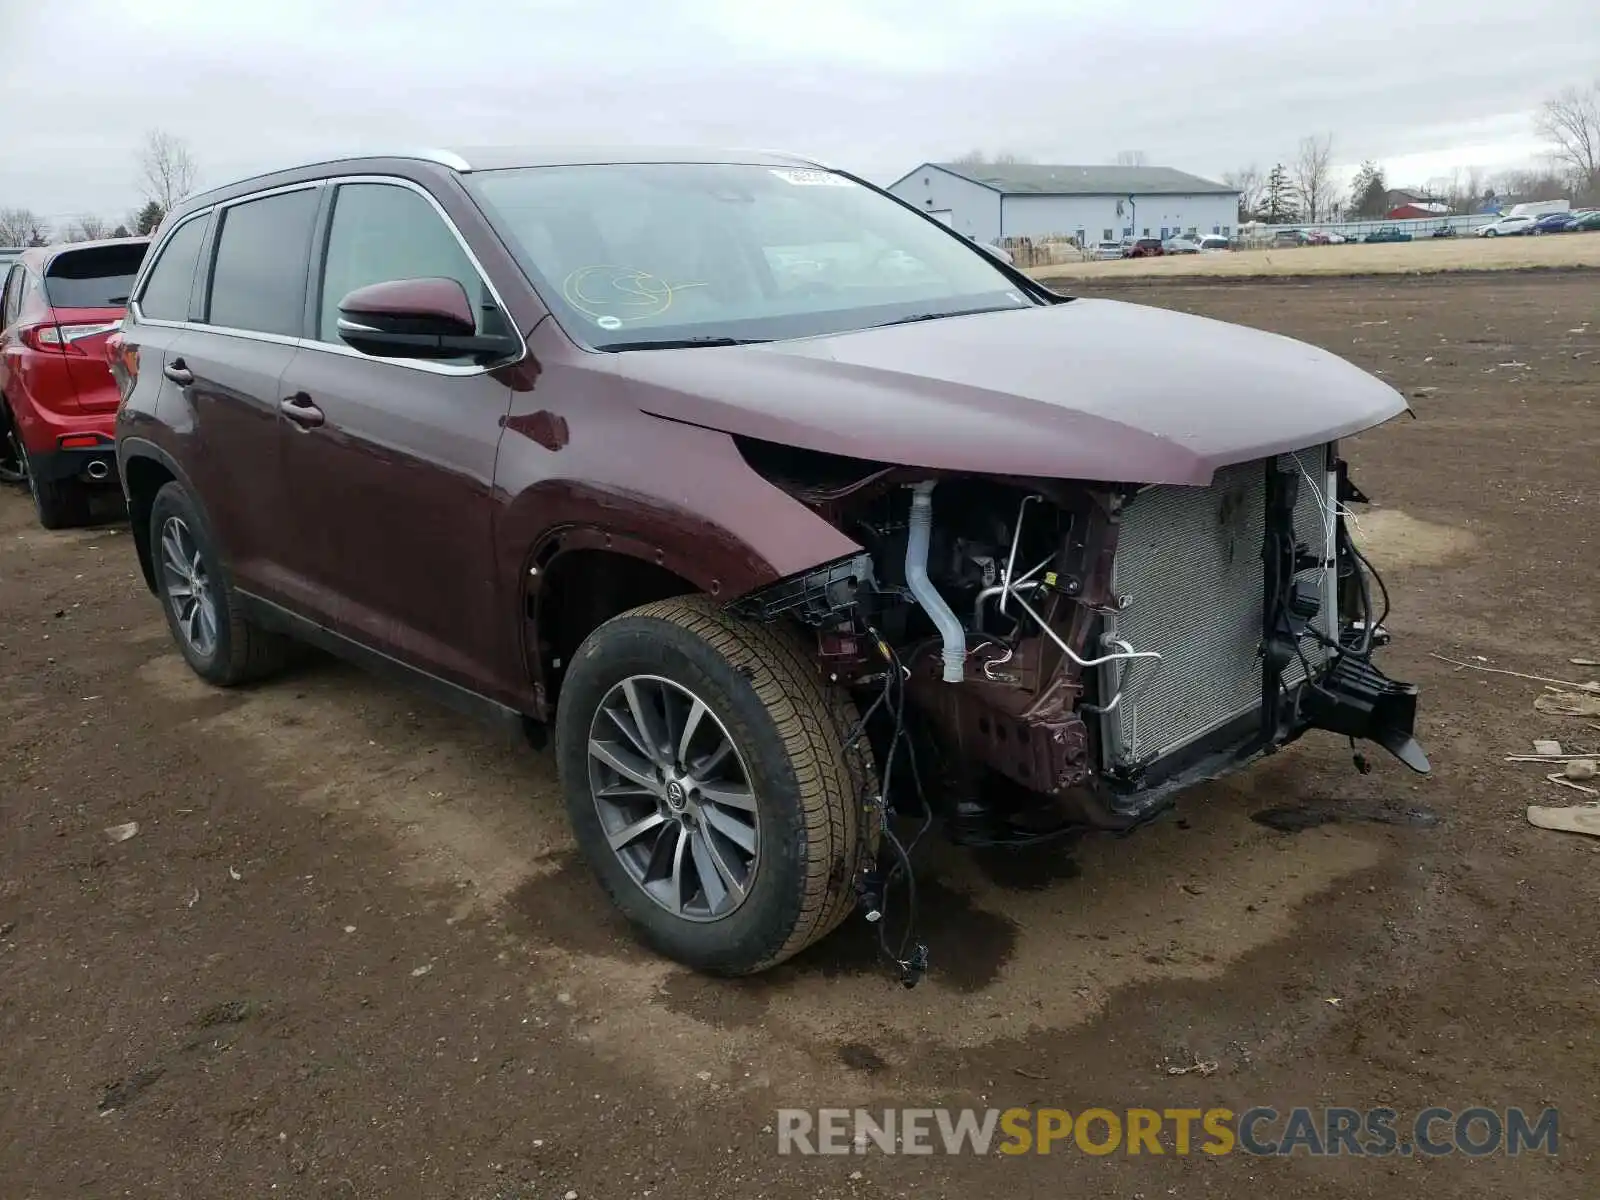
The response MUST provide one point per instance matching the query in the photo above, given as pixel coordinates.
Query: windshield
(631, 255)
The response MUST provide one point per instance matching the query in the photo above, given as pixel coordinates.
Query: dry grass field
(349, 950)
(1399, 258)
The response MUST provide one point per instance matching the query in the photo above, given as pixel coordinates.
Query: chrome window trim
(483, 277)
(458, 370)
(148, 267)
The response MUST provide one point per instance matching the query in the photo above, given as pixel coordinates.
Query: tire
(59, 503)
(232, 650)
(808, 798)
(1490, 233)
(13, 458)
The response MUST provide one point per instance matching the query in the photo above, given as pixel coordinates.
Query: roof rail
(433, 154)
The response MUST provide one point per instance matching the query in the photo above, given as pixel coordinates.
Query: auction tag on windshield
(804, 178)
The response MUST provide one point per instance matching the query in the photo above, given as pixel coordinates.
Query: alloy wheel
(674, 798)
(189, 587)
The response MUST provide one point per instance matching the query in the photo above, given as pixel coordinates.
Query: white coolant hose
(921, 530)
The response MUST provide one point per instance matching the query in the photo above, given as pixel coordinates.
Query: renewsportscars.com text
(1316, 1132)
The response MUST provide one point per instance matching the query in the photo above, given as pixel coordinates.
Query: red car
(58, 401)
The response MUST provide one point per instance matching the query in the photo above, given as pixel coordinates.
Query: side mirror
(417, 318)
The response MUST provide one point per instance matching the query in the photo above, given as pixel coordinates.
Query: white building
(1092, 204)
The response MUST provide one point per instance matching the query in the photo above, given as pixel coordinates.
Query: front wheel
(13, 458)
(1491, 233)
(706, 775)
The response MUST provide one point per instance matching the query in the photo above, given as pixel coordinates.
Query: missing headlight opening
(1039, 659)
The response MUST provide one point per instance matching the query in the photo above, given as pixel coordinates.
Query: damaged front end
(1074, 654)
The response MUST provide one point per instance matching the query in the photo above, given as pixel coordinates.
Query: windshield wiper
(937, 316)
(683, 343)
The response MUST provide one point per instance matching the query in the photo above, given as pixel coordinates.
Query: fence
(1045, 250)
(1054, 249)
(1417, 227)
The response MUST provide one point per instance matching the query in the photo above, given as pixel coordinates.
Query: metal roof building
(991, 201)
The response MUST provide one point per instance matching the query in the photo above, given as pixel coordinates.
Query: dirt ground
(349, 953)
(1424, 256)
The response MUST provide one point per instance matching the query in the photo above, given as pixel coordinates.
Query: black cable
(911, 957)
(1382, 588)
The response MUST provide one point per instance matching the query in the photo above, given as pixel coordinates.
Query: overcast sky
(877, 86)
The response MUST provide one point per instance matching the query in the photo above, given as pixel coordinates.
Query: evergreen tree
(1369, 192)
(1279, 206)
(150, 216)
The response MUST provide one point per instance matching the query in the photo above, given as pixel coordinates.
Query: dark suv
(803, 520)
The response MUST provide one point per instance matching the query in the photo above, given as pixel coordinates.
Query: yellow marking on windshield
(621, 293)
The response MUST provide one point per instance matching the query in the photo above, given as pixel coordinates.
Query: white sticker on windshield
(609, 322)
(803, 178)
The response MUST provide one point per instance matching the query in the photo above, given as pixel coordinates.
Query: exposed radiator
(1189, 562)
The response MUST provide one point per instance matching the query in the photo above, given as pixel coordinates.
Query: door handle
(178, 373)
(299, 409)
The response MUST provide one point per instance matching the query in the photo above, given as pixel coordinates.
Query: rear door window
(100, 277)
(166, 292)
(258, 280)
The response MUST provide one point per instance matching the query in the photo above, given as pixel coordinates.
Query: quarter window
(259, 281)
(13, 301)
(166, 292)
(381, 232)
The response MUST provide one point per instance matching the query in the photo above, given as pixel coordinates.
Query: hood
(1091, 389)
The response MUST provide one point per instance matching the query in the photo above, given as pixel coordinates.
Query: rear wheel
(203, 613)
(704, 766)
(59, 503)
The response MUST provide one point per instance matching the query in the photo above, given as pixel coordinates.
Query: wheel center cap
(677, 796)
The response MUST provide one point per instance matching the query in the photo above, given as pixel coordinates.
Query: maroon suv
(803, 521)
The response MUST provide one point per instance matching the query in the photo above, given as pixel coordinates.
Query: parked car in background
(745, 542)
(9, 255)
(1214, 241)
(1558, 222)
(1587, 221)
(58, 401)
(1103, 250)
(1539, 208)
(1180, 245)
(1507, 227)
(1291, 237)
(1142, 248)
(1389, 233)
(1443, 231)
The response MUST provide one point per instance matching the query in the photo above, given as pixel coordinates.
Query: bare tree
(1132, 158)
(1571, 124)
(166, 168)
(1313, 176)
(23, 227)
(983, 158)
(1247, 181)
(1462, 189)
(1530, 185)
(88, 228)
